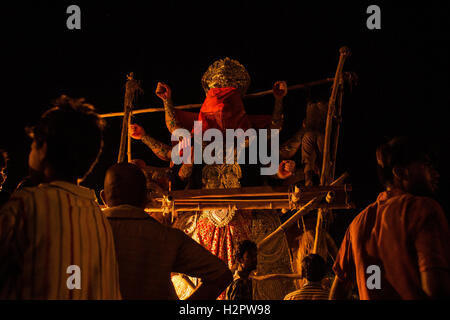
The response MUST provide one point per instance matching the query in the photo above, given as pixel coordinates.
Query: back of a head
(398, 152)
(73, 132)
(125, 183)
(243, 247)
(313, 267)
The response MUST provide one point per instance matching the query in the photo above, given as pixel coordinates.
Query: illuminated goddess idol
(225, 83)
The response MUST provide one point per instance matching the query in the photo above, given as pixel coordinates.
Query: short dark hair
(313, 267)
(127, 184)
(243, 247)
(73, 132)
(399, 152)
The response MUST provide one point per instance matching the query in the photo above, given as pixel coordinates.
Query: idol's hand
(136, 131)
(163, 91)
(286, 169)
(280, 89)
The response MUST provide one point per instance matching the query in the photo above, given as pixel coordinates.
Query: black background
(402, 69)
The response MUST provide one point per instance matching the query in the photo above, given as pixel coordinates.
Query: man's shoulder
(57, 186)
(21, 197)
(416, 206)
(425, 202)
(421, 209)
(371, 209)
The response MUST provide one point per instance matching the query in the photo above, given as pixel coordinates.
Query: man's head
(125, 183)
(3, 165)
(67, 141)
(313, 267)
(405, 163)
(247, 255)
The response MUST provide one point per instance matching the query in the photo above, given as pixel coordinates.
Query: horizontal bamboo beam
(247, 96)
(290, 88)
(248, 198)
(246, 192)
(245, 206)
(148, 110)
(276, 276)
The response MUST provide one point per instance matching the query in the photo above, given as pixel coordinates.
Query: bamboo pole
(149, 110)
(301, 212)
(290, 88)
(326, 175)
(261, 205)
(131, 89)
(276, 276)
(260, 191)
(129, 137)
(248, 96)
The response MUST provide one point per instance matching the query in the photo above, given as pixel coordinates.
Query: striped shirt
(46, 229)
(310, 291)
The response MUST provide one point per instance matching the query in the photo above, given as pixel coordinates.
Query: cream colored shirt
(46, 232)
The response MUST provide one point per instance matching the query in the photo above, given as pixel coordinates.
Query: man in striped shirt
(54, 241)
(313, 269)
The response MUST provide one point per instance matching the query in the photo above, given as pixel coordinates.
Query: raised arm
(164, 92)
(160, 149)
(291, 146)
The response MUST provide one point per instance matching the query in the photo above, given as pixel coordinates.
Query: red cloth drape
(223, 109)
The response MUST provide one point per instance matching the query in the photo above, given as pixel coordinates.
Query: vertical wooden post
(129, 137)
(327, 173)
(132, 88)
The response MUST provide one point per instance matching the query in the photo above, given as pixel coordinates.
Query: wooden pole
(326, 175)
(129, 138)
(338, 126)
(131, 89)
(301, 212)
(290, 88)
(248, 96)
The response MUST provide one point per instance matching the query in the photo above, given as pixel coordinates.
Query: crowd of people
(51, 224)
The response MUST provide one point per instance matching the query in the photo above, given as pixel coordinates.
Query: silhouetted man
(148, 252)
(54, 241)
(398, 247)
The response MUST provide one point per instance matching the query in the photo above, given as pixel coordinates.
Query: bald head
(125, 183)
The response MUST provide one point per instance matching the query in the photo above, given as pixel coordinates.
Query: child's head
(246, 255)
(313, 267)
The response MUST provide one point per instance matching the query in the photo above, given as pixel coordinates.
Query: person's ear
(102, 196)
(42, 152)
(400, 173)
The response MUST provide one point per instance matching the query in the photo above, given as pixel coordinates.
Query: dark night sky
(402, 68)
